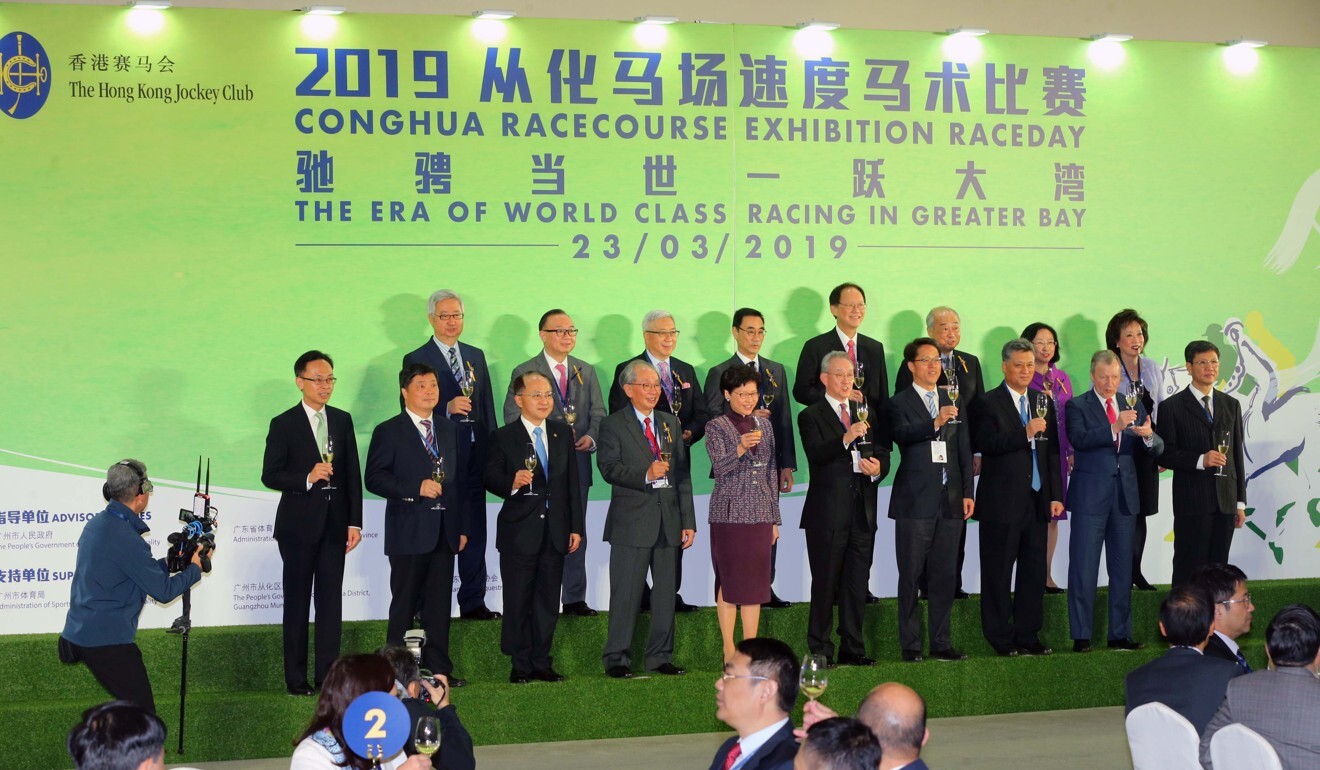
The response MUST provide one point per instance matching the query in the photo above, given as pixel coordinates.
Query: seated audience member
(322, 745)
(1233, 608)
(1282, 704)
(455, 743)
(1184, 678)
(896, 715)
(838, 743)
(118, 735)
(754, 696)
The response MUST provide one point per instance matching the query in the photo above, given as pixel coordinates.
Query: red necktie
(844, 417)
(563, 381)
(1113, 418)
(732, 758)
(650, 437)
(852, 353)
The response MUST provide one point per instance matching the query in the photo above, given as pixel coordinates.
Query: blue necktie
(1243, 662)
(540, 451)
(1035, 472)
(453, 364)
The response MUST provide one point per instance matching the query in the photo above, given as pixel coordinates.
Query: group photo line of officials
(1018, 458)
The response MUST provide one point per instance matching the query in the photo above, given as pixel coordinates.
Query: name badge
(856, 460)
(939, 452)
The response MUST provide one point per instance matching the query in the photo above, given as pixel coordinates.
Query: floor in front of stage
(1079, 739)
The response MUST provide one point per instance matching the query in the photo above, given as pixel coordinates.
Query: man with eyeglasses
(573, 383)
(755, 696)
(678, 385)
(749, 336)
(311, 459)
(1233, 610)
(538, 525)
(456, 363)
(1209, 478)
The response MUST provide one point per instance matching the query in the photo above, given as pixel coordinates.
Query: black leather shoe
(872, 599)
(1054, 590)
(948, 653)
(1035, 648)
(776, 603)
(1081, 645)
(668, 669)
(1129, 644)
(301, 689)
(619, 672)
(580, 609)
(519, 677)
(1007, 651)
(961, 594)
(481, 613)
(547, 675)
(455, 680)
(856, 660)
(682, 606)
(912, 656)
(1142, 585)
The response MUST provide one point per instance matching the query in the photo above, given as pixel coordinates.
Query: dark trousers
(429, 575)
(531, 606)
(1200, 539)
(472, 559)
(840, 561)
(962, 555)
(312, 568)
(628, 565)
(927, 547)
(575, 564)
(1008, 616)
(118, 667)
(1111, 531)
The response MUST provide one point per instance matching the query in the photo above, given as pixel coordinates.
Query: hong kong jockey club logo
(24, 75)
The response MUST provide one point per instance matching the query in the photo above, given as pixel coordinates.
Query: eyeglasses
(569, 332)
(745, 394)
(447, 316)
(852, 305)
(319, 380)
(1244, 600)
(752, 332)
(726, 677)
(926, 360)
(1044, 343)
(1205, 363)
(646, 386)
(670, 334)
(540, 395)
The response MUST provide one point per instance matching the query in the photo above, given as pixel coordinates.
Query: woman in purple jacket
(1055, 383)
(744, 505)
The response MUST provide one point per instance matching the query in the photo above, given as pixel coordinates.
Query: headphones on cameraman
(145, 487)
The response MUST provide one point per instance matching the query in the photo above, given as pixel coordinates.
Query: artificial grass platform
(237, 707)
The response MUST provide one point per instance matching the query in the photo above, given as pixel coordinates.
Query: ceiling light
(1112, 37)
(493, 14)
(656, 19)
(1245, 43)
(968, 31)
(819, 26)
(323, 10)
(149, 5)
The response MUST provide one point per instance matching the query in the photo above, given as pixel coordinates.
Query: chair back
(1162, 739)
(1239, 746)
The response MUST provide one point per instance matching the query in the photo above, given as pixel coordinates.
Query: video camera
(198, 531)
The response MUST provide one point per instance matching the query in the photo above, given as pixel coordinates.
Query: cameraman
(111, 580)
(455, 743)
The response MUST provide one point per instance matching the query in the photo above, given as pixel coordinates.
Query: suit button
(543, 515)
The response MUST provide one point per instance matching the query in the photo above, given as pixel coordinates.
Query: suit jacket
(1282, 705)
(1183, 679)
(808, 390)
(639, 513)
(833, 482)
(1096, 462)
(774, 378)
(483, 402)
(743, 493)
(397, 463)
(583, 392)
(966, 367)
(777, 753)
(1216, 648)
(998, 434)
(693, 413)
(524, 519)
(919, 489)
(303, 515)
(1188, 434)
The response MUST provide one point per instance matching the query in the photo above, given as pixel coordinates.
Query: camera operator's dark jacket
(112, 578)
(455, 743)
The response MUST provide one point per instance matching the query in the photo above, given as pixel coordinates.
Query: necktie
(453, 364)
(563, 382)
(852, 353)
(1209, 415)
(540, 450)
(320, 432)
(1113, 418)
(1242, 661)
(732, 758)
(753, 365)
(844, 417)
(934, 412)
(650, 438)
(1035, 472)
(429, 439)
(666, 381)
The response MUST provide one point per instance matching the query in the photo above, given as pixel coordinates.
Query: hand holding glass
(328, 456)
(1223, 442)
(438, 476)
(529, 463)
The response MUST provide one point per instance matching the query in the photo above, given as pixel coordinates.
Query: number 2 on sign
(378, 717)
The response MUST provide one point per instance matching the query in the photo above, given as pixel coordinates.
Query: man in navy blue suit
(754, 696)
(1102, 495)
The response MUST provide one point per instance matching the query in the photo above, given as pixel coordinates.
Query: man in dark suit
(1019, 491)
(650, 519)
(1102, 495)
(411, 464)
(456, 365)
(319, 517)
(846, 462)
(749, 335)
(579, 403)
(1233, 610)
(755, 696)
(539, 523)
(1184, 679)
(1207, 507)
(931, 498)
(945, 327)
(1281, 704)
(678, 386)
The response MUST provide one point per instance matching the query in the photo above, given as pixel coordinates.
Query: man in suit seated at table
(895, 714)
(539, 523)
(1233, 610)
(755, 697)
(1185, 679)
(1282, 704)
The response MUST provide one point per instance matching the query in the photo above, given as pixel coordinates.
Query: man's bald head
(897, 716)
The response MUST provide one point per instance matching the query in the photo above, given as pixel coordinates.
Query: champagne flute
(570, 414)
(1130, 398)
(859, 376)
(1223, 440)
(529, 463)
(676, 403)
(438, 476)
(666, 456)
(467, 386)
(1042, 409)
(815, 675)
(953, 394)
(328, 456)
(426, 737)
(863, 412)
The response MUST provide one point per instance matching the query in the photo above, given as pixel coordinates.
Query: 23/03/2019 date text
(702, 247)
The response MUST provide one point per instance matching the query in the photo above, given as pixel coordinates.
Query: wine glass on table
(467, 386)
(438, 476)
(952, 389)
(815, 675)
(426, 737)
(328, 456)
(1042, 409)
(1223, 442)
(529, 463)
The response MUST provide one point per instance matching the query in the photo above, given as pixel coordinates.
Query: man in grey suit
(578, 402)
(775, 406)
(1283, 704)
(650, 519)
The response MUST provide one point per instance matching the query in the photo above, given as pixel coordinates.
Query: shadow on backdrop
(714, 341)
(802, 312)
(1079, 339)
(403, 319)
(512, 335)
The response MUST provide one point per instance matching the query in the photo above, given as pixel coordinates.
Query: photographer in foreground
(113, 576)
(455, 743)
